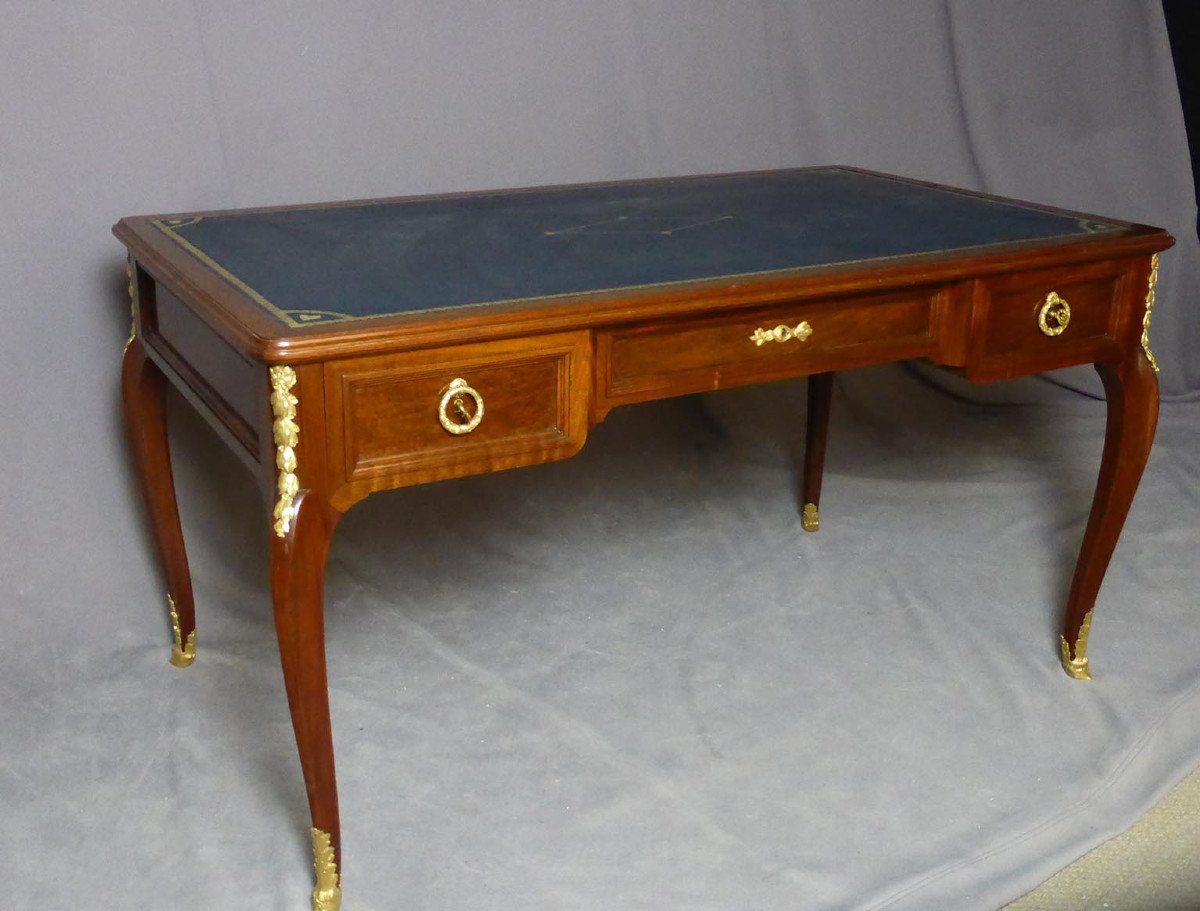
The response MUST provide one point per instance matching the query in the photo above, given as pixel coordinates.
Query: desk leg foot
(183, 651)
(1132, 391)
(297, 585)
(327, 896)
(810, 518)
(143, 397)
(820, 391)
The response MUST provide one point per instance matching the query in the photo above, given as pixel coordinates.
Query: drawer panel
(386, 413)
(716, 352)
(1007, 336)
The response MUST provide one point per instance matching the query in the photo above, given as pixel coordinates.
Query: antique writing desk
(347, 348)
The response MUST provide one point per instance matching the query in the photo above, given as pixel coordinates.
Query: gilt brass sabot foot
(327, 896)
(1074, 660)
(182, 653)
(810, 518)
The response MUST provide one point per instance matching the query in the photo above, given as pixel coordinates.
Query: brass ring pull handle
(453, 412)
(781, 333)
(1054, 315)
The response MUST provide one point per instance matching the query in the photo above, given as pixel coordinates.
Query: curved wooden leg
(143, 395)
(820, 391)
(1132, 391)
(297, 584)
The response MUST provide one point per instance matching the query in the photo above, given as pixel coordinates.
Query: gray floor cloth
(630, 680)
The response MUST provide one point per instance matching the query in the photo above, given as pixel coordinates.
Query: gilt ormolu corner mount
(523, 317)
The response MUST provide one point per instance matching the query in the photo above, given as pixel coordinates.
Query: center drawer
(676, 357)
(425, 415)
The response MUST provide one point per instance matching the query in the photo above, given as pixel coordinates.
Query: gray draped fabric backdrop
(114, 108)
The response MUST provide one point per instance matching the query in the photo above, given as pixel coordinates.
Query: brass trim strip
(287, 435)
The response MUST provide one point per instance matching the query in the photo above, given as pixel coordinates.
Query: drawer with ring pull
(1045, 319)
(793, 339)
(446, 412)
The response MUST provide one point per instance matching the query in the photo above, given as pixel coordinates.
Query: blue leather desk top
(325, 263)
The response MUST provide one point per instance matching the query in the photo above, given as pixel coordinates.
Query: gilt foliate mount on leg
(129, 271)
(1153, 282)
(1074, 655)
(327, 896)
(287, 437)
(182, 653)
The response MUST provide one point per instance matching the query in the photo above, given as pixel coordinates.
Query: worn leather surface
(316, 263)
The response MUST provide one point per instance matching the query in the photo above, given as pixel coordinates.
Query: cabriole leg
(297, 584)
(143, 396)
(1132, 391)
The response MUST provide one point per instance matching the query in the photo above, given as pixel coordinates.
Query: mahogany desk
(346, 348)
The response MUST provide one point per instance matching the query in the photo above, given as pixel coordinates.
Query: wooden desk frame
(308, 409)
